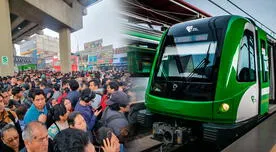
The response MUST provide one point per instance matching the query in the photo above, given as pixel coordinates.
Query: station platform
(262, 138)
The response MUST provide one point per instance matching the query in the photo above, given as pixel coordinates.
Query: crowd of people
(44, 111)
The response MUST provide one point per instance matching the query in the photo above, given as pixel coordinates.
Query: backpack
(101, 123)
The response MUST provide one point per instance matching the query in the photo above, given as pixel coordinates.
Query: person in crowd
(38, 110)
(6, 97)
(113, 116)
(83, 85)
(57, 92)
(51, 103)
(73, 140)
(20, 112)
(35, 136)
(73, 95)
(60, 116)
(84, 107)
(7, 116)
(67, 103)
(64, 95)
(13, 82)
(111, 87)
(94, 86)
(26, 90)
(10, 139)
(17, 93)
(47, 91)
(76, 120)
(104, 134)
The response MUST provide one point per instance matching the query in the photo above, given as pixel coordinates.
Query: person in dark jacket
(84, 107)
(114, 116)
(10, 139)
(73, 95)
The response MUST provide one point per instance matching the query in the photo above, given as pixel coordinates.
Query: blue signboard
(92, 59)
(34, 56)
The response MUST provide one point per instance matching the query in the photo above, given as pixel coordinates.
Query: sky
(101, 21)
(263, 10)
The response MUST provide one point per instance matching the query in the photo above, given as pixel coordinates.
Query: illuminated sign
(191, 38)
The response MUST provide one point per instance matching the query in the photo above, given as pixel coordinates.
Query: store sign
(19, 60)
(93, 44)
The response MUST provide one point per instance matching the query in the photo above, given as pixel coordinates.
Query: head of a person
(13, 81)
(73, 140)
(6, 96)
(67, 103)
(39, 99)
(21, 111)
(10, 136)
(76, 121)
(42, 85)
(84, 85)
(87, 96)
(53, 101)
(112, 87)
(94, 84)
(56, 87)
(119, 101)
(64, 83)
(74, 85)
(17, 91)
(107, 133)
(59, 113)
(35, 136)
(25, 86)
(2, 104)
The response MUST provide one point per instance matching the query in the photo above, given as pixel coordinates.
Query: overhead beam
(24, 30)
(34, 30)
(16, 22)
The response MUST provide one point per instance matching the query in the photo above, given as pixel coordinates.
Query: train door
(264, 74)
(248, 74)
(272, 69)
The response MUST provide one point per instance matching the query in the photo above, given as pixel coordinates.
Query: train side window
(264, 60)
(246, 71)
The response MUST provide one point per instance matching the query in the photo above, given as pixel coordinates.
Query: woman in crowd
(59, 116)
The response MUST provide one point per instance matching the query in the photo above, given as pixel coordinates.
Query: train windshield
(185, 68)
(190, 62)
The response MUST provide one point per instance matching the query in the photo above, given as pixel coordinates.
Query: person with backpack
(59, 116)
(114, 115)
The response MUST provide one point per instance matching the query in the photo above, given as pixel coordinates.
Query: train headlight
(224, 107)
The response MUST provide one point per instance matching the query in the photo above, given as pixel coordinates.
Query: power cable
(251, 16)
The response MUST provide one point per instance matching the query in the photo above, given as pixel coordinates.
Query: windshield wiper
(201, 66)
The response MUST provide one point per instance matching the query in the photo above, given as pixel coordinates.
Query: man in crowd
(113, 116)
(73, 95)
(94, 86)
(38, 110)
(10, 139)
(35, 136)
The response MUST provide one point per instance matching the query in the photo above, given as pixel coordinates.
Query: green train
(212, 78)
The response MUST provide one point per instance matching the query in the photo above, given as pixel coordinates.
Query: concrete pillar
(65, 50)
(6, 50)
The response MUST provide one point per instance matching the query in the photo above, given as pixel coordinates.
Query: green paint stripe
(150, 37)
